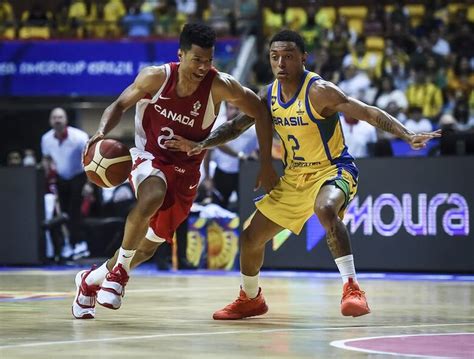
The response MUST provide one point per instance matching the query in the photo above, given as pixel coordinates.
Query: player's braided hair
(290, 36)
(197, 34)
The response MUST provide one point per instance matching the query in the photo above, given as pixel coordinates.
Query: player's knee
(149, 203)
(327, 213)
(250, 238)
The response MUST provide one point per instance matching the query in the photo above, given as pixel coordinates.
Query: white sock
(250, 285)
(125, 257)
(97, 276)
(346, 268)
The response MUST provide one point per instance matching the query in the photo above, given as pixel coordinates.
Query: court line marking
(197, 334)
(145, 272)
(341, 344)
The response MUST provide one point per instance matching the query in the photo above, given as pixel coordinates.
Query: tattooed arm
(228, 131)
(327, 99)
(222, 134)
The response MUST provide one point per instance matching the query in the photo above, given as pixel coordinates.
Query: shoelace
(118, 276)
(234, 303)
(353, 292)
(89, 290)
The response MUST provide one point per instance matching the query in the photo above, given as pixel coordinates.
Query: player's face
(287, 60)
(196, 62)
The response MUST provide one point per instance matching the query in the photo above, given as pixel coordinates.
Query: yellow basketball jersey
(309, 140)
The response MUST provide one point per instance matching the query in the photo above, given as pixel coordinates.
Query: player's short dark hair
(290, 36)
(197, 34)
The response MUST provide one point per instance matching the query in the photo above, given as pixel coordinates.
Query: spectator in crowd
(29, 160)
(36, 22)
(373, 24)
(14, 159)
(388, 93)
(436, 71)
(463, 116)
(358, 134)
(399, 16)
(111, 13)
(438, 44)
(416, 122)
(424, 94)
(356, 83)
(313, 31)
(338, 44)
(324, 66)
(395, 66)
(401, 38)
(460, 78)
(423, 52)
(361, 59)
(429, 23)
(78, 15)
(138, 23)
(246, 12)
(7, 20)
(274, 17)
(63, 145)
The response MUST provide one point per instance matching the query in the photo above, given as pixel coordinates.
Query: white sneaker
(83, 306)
(67, 251)
(113, 288)
(81, 250)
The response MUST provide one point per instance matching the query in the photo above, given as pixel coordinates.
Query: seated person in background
(228, 156)
(387, 93)
(416, 122)
(358, 134)
(14, 159)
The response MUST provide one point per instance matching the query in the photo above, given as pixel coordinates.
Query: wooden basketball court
(169, 315)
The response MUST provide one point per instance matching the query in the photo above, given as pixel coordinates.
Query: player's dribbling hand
(178, 143)
(418, 141)
(97, 137)
(267, 178)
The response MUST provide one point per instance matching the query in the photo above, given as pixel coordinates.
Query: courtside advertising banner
(86, 67)
(410, 214)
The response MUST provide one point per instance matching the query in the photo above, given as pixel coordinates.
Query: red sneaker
(113, 288)
(83, 306)
(243, 307)
(353, 302)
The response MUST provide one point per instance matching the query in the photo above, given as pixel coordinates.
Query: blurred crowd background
(413, 59)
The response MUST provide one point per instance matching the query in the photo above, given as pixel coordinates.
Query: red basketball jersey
(159, 118)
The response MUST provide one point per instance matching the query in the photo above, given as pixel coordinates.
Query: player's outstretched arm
(222, 134)
(331, 99)
(147, 81)
(253, 106)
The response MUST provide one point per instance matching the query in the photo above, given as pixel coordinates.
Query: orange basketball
(107, 163)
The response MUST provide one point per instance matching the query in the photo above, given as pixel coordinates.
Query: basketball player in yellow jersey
(320, 175)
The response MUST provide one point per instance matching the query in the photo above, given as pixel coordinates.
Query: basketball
(107, 163)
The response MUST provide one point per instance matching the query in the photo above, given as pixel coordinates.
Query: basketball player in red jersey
(175, 100)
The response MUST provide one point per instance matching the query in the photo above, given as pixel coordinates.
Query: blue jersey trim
(284, 158)
(289, 103)
(269, 96)
(315, 120)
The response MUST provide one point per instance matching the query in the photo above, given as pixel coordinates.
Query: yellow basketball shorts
(291, 202)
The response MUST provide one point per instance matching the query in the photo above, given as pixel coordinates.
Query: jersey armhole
(312, 113)
(160, 90)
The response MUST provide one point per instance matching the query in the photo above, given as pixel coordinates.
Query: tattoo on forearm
(384, 124)
(228, 131)
(390, 124)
